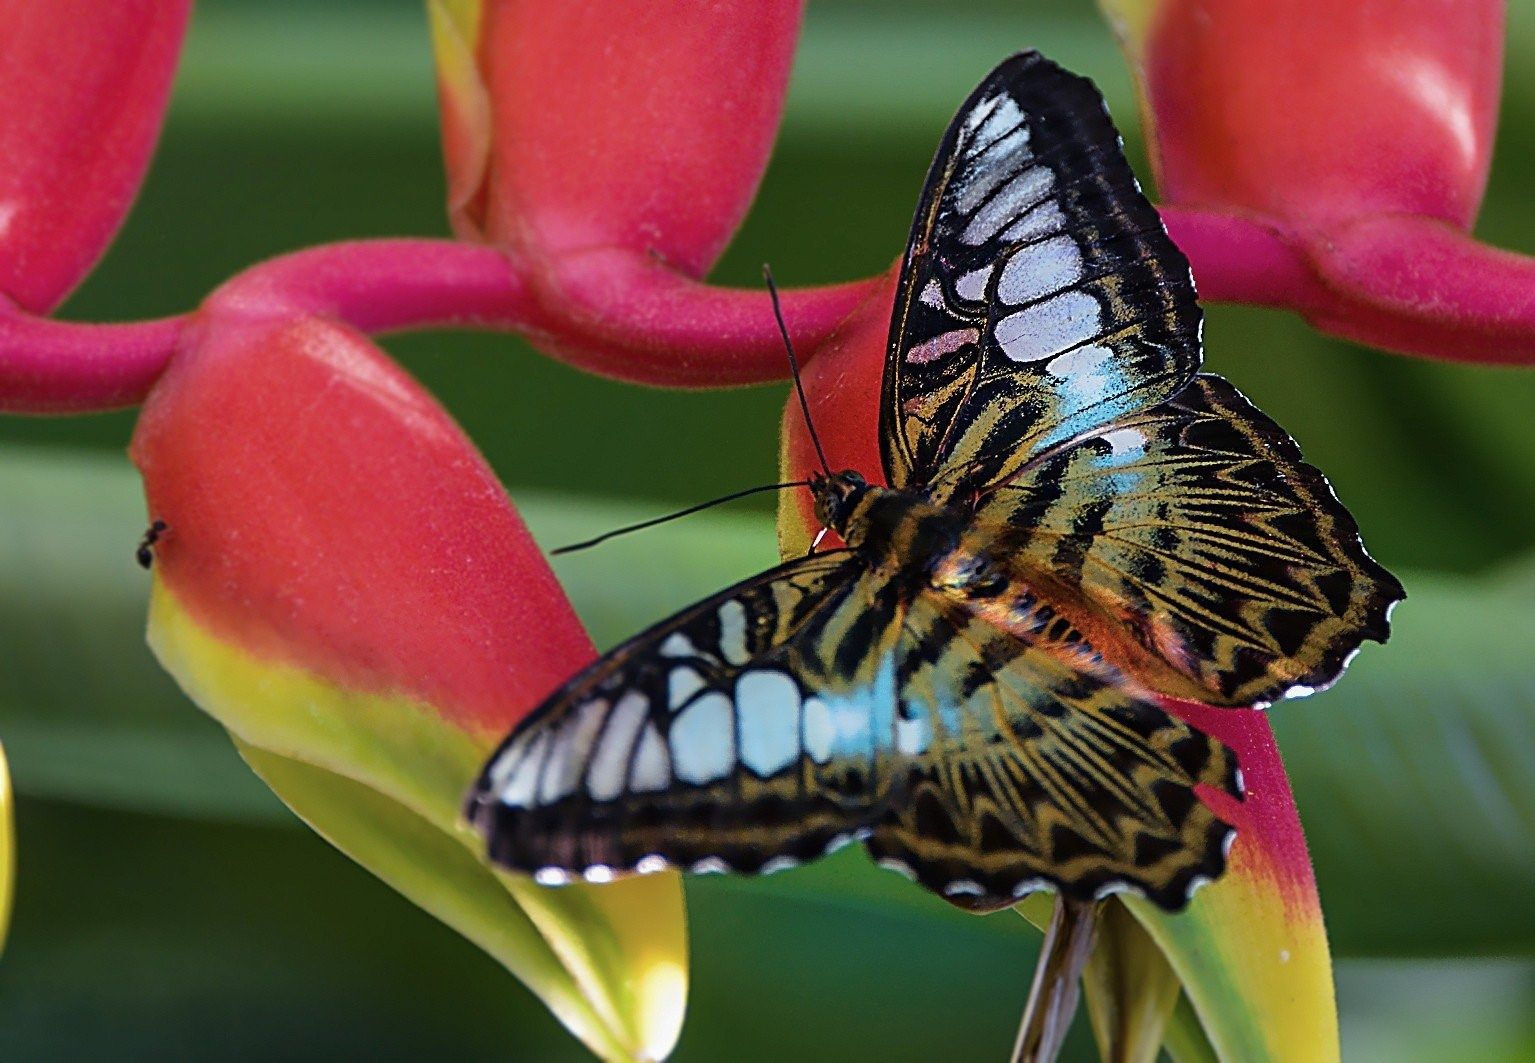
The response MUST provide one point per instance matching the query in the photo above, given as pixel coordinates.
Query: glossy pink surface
(323, 511)
(630, 124)
(85, 84)
(1312, 110)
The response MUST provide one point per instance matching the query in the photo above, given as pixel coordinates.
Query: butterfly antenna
(799, 385)
(689, 511)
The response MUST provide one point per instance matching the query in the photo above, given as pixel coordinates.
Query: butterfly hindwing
(736, 735)
(1036, 763)
(1040, 294)
(1192, 542)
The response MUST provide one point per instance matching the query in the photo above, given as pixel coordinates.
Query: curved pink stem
(624, 314)
(375, 285)
(1421, 286)
(1406, 283)
(617, 313)
(1242, 260)
(387, 285)
(63, 367)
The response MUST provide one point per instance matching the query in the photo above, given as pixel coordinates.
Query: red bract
(616, 147)
(629, 124)
(324, 512)
(1330, 158)
(85, 86)
(341, 582)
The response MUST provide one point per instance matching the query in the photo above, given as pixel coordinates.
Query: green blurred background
(169, 908)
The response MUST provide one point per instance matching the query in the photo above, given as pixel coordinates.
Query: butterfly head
(837, 495)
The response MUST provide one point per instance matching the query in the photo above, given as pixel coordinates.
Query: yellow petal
(7, 849)
(382, 778)
(464, 104)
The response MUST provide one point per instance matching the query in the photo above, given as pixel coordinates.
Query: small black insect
(146, 551)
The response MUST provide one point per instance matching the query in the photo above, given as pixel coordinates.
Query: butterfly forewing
(739, 734)
(1040, 295)
(1194, 545)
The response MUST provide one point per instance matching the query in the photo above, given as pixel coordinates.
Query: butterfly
(1076, 521)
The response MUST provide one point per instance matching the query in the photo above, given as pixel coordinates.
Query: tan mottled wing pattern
(1194, 546)
(1045, 767)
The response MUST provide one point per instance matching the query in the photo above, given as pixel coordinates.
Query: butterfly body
(1074, 523)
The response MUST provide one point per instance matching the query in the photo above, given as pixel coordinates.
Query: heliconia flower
(342, 583)
(614, 148)
(76, 146)
(344, 586)
(1330, 159)
(1250, 953)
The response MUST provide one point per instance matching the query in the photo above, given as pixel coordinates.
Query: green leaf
(85, 711)
(1415, 777)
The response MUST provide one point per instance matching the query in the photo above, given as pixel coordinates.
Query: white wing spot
(681, 685)
(523, 783)
(703, 740)
(610, 762)
(508, 760)
(1108, 889)
(768, 704)
(1029, 885)
(1042, 220)
(1012, 199)
(650, 864)
(1041, 270)
(652, 768)
(912, 736)
(677, 645)
(599, 873)
(993, 115)
(838, 841)
(732, 617)
(777, 864)
(570, 751)
(1049, 326)
(1124, 441)
(1082, 364)
(963, 886)
(551, 876)
(972, 285)
(819, 732)
(710, 865)
(900, 867)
